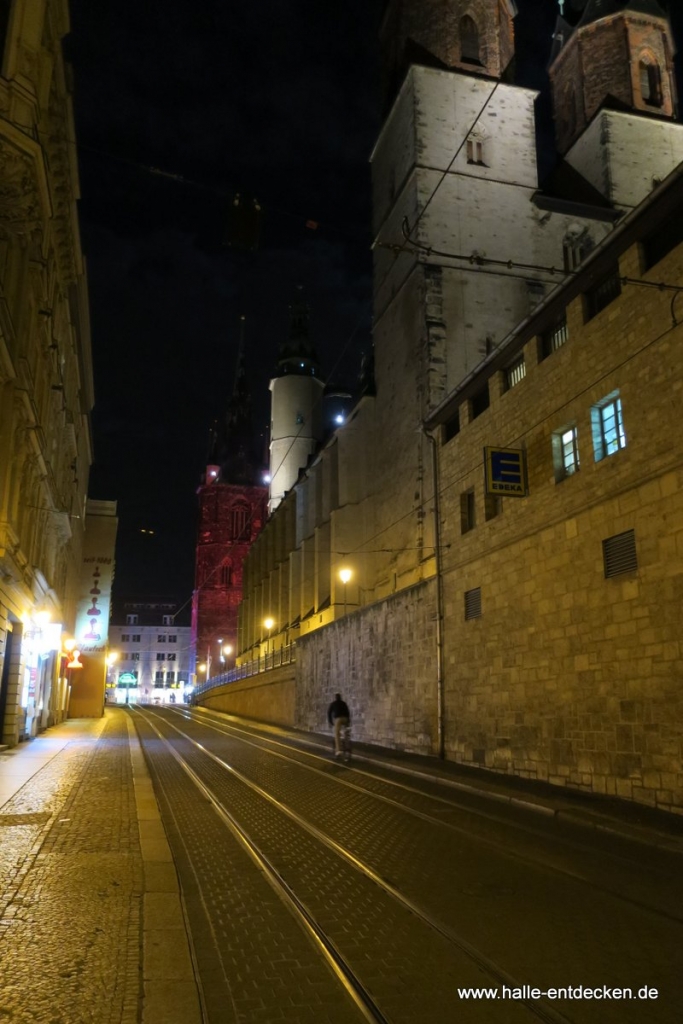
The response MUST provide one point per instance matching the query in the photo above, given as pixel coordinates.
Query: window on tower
(470, 52)
(650, 82)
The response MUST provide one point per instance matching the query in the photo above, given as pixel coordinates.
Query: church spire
(297, 354)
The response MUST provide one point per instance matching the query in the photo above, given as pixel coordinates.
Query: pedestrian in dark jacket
(339, 717)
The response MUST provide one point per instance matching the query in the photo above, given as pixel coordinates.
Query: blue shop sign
(505, 470)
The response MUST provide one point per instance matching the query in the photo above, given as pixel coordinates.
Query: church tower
(614, 97)
(232, 511)
(296, 405)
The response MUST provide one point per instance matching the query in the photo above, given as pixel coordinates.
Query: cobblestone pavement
(551, 906)
(71, 885)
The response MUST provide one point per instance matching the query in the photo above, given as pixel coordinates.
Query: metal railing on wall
(274, 659)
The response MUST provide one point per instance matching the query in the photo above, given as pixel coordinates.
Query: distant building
(151, 642)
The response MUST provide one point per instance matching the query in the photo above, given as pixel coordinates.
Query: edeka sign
(505, 472)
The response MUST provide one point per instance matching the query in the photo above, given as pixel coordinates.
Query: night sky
(179, 105)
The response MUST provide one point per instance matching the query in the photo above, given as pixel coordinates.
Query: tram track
(365, 999)
(284, 751)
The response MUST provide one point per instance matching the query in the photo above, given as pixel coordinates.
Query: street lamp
(268, 623)
(226, 652)
(345, 575)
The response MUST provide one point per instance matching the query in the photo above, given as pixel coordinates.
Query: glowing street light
(345, 575)
(268, 623)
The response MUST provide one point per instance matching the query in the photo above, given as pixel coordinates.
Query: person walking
(339, 717)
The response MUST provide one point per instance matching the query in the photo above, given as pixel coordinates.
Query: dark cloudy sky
(180, 104)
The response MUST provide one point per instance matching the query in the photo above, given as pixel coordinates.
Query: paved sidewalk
(90, 910)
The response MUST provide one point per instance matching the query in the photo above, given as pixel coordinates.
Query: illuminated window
(170, 677)
(565, 452)
(607, 424)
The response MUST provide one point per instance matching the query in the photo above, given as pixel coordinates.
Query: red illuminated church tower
(232, 510)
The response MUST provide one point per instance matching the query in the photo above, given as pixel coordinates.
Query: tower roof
(596, 9)
(297, 354)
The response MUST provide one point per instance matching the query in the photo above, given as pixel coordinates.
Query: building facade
(46, 387)
(150, 644)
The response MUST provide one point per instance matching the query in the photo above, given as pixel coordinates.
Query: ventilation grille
(619, 553)
(473, 603)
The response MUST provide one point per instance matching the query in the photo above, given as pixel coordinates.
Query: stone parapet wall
(383, 661)
(268, 697)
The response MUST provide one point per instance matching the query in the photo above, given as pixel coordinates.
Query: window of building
(125, 656)
(493, 506)
(159, 679)
(226, 575)
(473, 603)
(475, 151)
(480, 402)
(170, 677)
(161, 657)
(167, 620)
(161, 638)
(565, 452)
(135, 638)
(451, 427)
(135, 656)
(575, 247)
(515, 373)
(601, 294)
(132, 620)
(607, 424)
(125, 638)
(619, 554)
(555, 337)
(171, 656)
(662, 241)
(172, 638)
(467, 511)
(650, 82)
(470, 52)
(239, 518)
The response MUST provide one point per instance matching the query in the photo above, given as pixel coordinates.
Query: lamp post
(345, 575)
(226, 651)
(268, 623)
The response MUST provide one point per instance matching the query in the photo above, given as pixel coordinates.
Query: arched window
(239, 518)
(469, 41)
(650, 82)
(226, 575)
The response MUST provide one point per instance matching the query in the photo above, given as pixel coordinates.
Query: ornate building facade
(46, 387)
